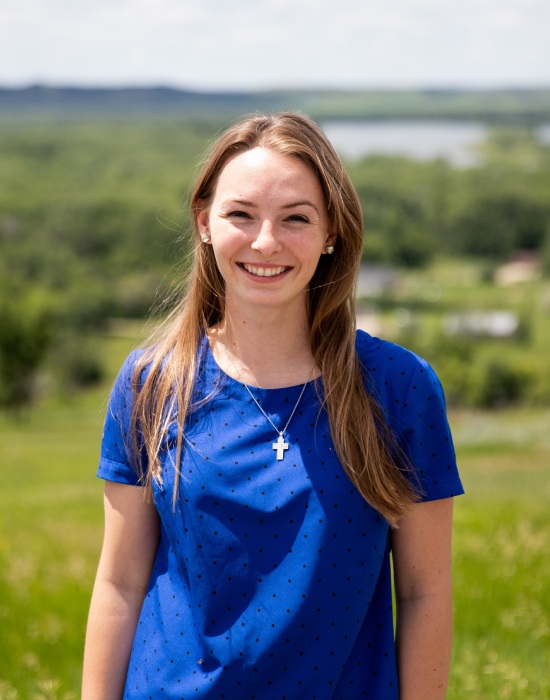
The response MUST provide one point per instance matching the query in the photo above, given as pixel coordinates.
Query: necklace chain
(275, 428)
(280, 446)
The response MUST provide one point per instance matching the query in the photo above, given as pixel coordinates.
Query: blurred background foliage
(93, 217)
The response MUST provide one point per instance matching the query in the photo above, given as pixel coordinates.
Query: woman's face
(268, 226)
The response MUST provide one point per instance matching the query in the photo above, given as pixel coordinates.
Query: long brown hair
(364, 445)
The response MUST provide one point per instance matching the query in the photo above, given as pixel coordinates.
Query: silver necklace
(280, 446)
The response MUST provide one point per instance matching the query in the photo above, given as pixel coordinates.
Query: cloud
(246, 43)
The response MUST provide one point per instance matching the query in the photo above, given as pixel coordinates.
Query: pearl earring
(205, 238)
(329, 249)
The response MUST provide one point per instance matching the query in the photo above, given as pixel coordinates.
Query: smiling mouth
(264, 271)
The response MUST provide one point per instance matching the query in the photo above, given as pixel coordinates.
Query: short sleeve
(425, 436)
(115, 455)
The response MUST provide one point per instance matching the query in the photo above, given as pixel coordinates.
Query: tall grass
(50, 537)
(51, 528)
(502, 557)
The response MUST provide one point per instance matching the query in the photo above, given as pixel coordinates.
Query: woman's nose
(266, 241)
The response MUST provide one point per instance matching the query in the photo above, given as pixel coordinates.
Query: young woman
(262, 459)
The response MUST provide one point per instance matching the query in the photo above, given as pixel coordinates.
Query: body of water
(454, 141)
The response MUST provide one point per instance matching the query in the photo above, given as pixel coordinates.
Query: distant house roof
(524, 268)
(492, 324)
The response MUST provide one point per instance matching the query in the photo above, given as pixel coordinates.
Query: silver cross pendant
(280, 446)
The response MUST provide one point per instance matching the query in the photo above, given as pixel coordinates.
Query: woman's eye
(238, 215)
(300, 218)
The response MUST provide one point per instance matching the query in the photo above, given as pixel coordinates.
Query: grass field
(51, 527)
(502, 557)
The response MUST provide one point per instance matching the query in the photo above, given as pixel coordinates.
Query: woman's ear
(330, 243)
(202, 217)
(203, 222)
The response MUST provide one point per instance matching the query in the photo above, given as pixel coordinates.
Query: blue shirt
(272, 578)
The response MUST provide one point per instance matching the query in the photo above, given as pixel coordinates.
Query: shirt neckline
(229, 387)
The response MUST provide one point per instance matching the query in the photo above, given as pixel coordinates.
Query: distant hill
(512, 105)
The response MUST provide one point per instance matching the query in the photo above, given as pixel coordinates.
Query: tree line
(92, 218)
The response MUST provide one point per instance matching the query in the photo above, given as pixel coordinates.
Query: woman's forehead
(263, 170)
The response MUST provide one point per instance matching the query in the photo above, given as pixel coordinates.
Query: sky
(273, 44)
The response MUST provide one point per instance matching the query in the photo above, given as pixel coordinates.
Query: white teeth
(264, 271)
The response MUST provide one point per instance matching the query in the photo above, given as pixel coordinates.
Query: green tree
(25, 337)
(397, 227)
(495, 226)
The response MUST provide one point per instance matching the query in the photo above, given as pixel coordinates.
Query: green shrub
(25, 337)
(453, 359)
(78, 363)
(499, 383)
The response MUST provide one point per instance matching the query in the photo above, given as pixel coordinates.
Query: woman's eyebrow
(300, 203)
(239, 202)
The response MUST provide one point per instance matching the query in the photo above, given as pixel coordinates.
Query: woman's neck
(269, 349)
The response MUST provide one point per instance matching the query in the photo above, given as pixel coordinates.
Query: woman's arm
(129, 548)
(422, 569)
